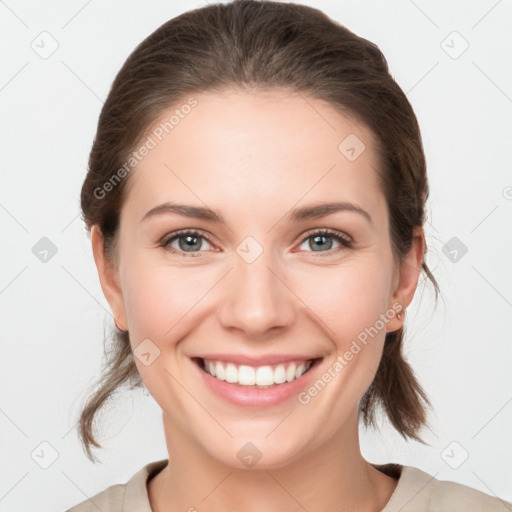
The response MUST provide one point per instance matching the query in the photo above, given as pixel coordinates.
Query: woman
(255, 197)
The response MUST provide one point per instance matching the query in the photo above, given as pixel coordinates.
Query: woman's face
(258, 285)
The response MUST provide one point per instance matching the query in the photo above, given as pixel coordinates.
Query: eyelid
(343, 239)
(327, 231)
(170, 237)
(345, 242)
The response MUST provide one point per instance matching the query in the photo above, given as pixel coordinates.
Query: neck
(333, 477)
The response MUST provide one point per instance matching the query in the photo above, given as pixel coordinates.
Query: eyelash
(343, 240)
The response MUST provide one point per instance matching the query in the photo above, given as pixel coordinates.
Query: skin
(253, 157)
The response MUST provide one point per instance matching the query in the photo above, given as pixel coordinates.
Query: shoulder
(109, 500)
(129, 496)
(418, 491)
(447, 495)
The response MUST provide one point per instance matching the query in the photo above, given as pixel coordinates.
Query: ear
(109, 278)
(406, 279)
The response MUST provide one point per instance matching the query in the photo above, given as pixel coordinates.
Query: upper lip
(262, 360)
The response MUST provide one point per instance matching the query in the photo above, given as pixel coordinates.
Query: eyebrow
(299, 214)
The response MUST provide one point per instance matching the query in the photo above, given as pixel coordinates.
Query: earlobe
(408, 276)
(109, 279)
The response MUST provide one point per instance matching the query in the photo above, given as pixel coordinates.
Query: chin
(258, 454)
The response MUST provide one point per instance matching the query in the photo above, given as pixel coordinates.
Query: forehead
(254, 149)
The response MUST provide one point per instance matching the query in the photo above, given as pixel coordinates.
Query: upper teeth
(260, 376)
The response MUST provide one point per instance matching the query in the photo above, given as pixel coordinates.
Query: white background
(53, 314)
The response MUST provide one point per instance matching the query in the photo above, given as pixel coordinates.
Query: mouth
(261, 376)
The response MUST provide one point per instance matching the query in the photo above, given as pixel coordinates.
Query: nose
(256, 299)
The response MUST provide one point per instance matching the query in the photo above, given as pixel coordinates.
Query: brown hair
(261, 45)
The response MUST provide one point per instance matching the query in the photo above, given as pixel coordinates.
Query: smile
(260, 376)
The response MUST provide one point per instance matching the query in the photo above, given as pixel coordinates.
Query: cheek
(158, 298)
(161, 305)
(351, 304)
(347, 299)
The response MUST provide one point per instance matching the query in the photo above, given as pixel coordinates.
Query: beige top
(416, 491)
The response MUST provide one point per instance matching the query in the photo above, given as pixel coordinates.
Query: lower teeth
(254, 386)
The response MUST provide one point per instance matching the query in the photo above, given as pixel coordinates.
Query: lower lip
(254, 397)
